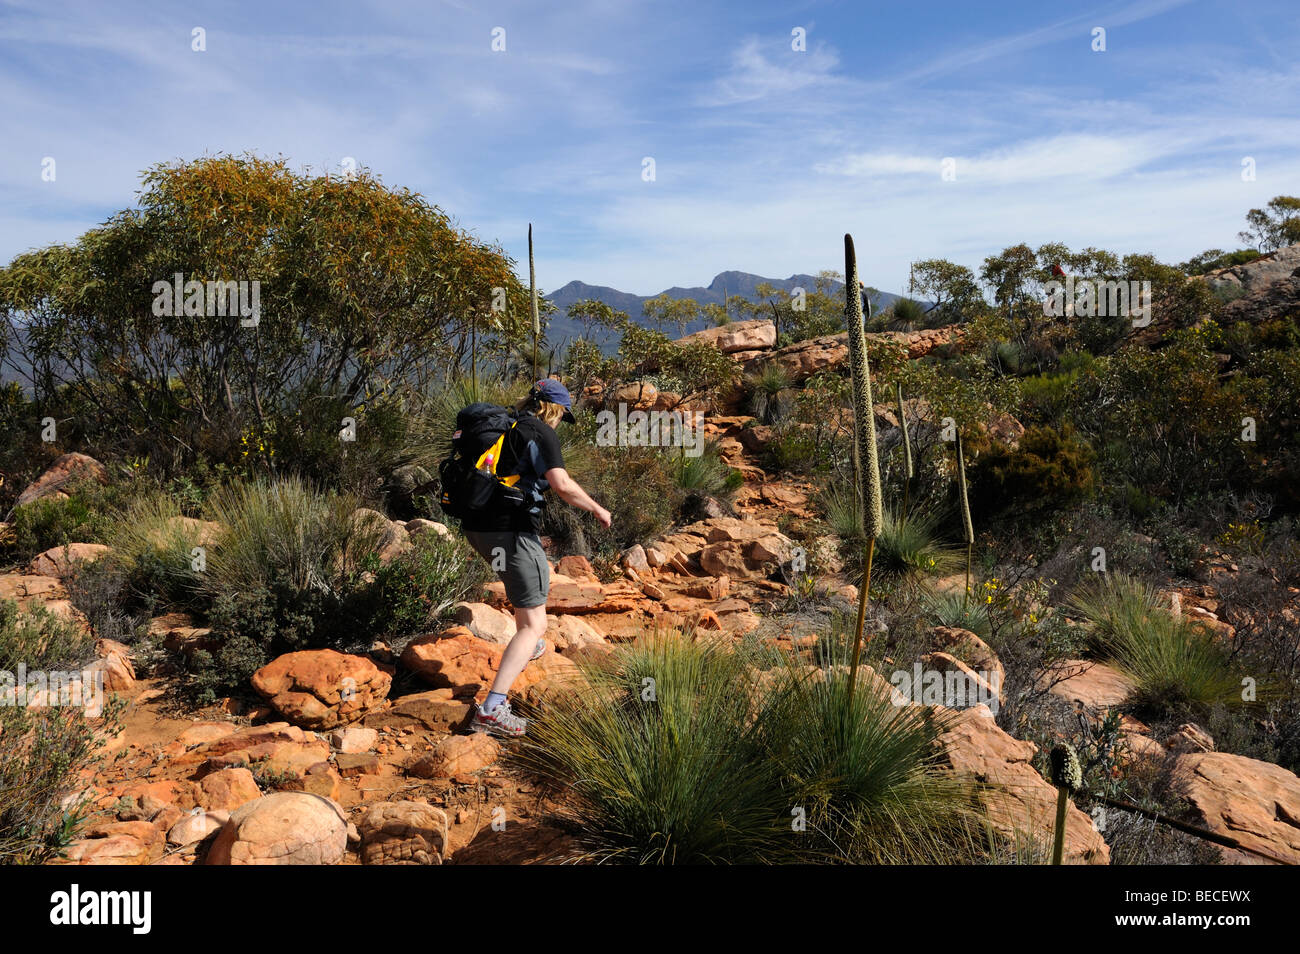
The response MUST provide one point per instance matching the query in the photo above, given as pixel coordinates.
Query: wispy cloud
(764, 155)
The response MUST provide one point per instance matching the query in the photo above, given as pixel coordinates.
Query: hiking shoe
(500, 721)
(541, 648)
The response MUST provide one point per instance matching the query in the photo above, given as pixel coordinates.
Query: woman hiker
(508, 539)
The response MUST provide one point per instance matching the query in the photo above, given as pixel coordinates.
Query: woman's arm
(571, 492)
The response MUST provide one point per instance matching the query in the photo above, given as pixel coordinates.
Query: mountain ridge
(728, 283)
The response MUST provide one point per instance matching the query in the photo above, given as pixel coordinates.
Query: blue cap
(553, 392)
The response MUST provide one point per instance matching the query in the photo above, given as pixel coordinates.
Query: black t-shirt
(531, 448)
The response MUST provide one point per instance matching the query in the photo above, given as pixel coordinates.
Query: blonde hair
(551, 413)
(545, 410)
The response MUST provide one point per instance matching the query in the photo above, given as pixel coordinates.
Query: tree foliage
(363, 289)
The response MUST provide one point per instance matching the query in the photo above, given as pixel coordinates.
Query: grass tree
(909, 467)
(864, 426)
(968, 529)
(532, 296)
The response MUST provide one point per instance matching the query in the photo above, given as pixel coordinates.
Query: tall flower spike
(909, 469)
(967, 527)
(864, 416)
(532, 293)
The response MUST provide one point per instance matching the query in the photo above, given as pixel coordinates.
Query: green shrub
(707, 474)
(1048, 470)
(952, 608)
(284, 532)
(797, 448)
(153, 544)
(839, 503)
(253, 626)
(416, 589)
(84, 516)
(769, 397)
(636, 485)
(47, 749)
(865, 771)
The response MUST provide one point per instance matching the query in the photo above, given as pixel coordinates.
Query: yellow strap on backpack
(493, 453)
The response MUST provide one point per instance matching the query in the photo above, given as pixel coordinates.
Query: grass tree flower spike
(864, 421)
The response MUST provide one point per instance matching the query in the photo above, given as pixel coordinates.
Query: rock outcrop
(1256, 803)
(66, 470)
(322, 688)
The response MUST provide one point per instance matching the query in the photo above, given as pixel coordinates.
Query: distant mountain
(724, 284)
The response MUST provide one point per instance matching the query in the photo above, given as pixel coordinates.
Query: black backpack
(469, 477)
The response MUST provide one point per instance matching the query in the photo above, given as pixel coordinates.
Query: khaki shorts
(520, 562)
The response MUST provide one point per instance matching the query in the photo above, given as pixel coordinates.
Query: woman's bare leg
(530, 626)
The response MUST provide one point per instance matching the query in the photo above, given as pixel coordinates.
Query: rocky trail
(356, 759)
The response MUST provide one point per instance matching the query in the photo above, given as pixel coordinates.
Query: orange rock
(456, 658)
(286, 828)
(403, 833)
(578, 568)
(457, 755)
(1094, 685)
(1257, 803)
(1015, 797)
(57, 561)
(322, 688)
(227, 789)
(64, 471)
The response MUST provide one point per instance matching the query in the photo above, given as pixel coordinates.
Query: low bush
(1177, 666)
(47, 749)
(682, 751)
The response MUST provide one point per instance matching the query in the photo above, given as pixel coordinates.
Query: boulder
(194, 827)
(58, 561)
(403, 833)
(419, 525)
(459, 660)
(1094, 685)
(736, 336)
(354, 739)
(437, 709)
(485, 622)
(577, 568)
(572, 633)
(457, 755)
(322, 688)
(1017, 800)
(394, 540)
(285, 828)
(1256, 803)
(969, 648)
(1267, 288)
(454, 658)
(118, 843)
(65, 470)
(634, 558)
(640, 395)
(114, 663)
(227, 789)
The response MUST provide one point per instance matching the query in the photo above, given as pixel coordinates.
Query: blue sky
(764, 155)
